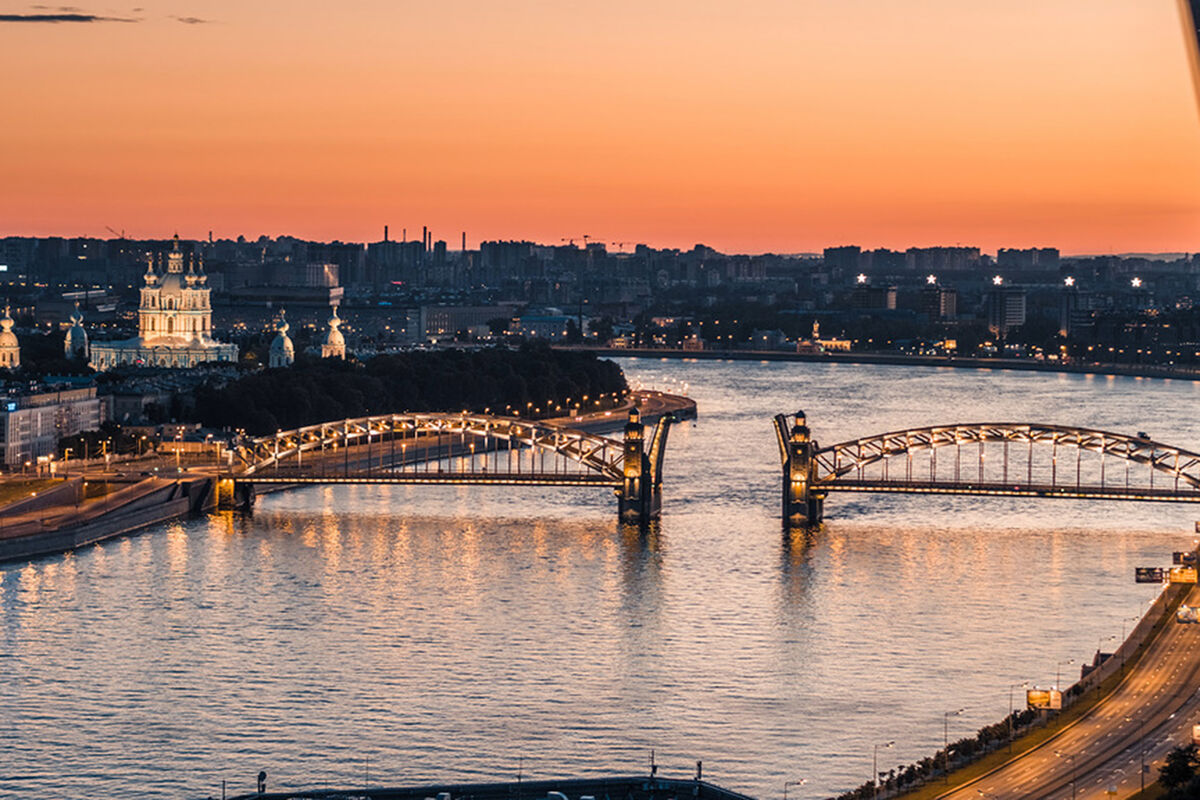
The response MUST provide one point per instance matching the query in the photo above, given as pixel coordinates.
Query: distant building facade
(1006, 309)
(31, 424)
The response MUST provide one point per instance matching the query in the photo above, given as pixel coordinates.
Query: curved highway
(1152, 710)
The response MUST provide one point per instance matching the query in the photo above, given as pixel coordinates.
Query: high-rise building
(1006, 309)
(939, 302)
(942, 259)
(1045, 259)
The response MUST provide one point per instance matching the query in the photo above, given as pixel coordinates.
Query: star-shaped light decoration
(1069, 280)
(931, 279)
(997, 280)
(862, 278)
(1136, 283)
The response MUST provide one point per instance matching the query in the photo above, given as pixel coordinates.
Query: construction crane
(120, 235)
(620, 246)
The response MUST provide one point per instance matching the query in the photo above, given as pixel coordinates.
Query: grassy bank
(1032, 739)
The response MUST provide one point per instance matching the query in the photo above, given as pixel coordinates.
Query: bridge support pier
(243, 495)
(801, 504)
(639, 500)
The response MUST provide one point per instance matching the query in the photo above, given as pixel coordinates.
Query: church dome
(7, 337)
(335, 342)
(283, 352)
(335, 337)
(10, 348)
(76, 343)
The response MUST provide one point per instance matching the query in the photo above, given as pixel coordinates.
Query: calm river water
(417, 634)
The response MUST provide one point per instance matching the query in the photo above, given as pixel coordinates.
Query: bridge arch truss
(442, 447)
(1010, 458)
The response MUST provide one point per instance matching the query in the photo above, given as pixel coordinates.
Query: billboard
(1149, 574)
(1186, 557)
(1183, 574)
(1043, 699)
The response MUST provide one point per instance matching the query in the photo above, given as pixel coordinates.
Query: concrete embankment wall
(124, 512)
(1138, 638)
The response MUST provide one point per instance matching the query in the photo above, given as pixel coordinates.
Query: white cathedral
(174, 321)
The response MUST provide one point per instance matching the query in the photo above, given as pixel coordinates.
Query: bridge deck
(1011, 490)
(476, 478)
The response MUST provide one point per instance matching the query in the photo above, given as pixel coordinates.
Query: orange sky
(783, 125)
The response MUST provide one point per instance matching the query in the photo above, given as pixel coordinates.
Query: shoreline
(890, 359)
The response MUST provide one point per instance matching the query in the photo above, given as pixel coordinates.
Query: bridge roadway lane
(1159, 700)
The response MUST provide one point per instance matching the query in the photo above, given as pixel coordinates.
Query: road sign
(1043, 698)
(1149, 574)
(1183, 574)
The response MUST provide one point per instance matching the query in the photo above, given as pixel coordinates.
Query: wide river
(399, 635)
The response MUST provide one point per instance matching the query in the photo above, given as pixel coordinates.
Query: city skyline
(786, 129)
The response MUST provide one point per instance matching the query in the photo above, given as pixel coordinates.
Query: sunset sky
(768, 125)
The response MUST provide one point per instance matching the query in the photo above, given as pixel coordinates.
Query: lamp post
(800, 782)
(1058, 672)
(1011, 688)
(946, 741)
(1070, 760)
(875, 767)
(1141, 749)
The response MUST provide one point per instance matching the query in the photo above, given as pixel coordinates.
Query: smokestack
(464, 244)
(385, 233)
(210, 237)
(424, 237)
(404, 236)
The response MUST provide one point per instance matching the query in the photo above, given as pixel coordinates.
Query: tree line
(532, 380)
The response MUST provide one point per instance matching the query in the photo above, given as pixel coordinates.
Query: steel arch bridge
(464, 449)
(985, 458)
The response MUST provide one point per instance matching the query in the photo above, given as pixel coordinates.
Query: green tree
(1179, 768)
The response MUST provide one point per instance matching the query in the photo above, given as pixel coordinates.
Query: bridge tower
(801, 504)
(639, 500)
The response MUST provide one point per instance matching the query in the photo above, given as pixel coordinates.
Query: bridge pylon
(802, 505)
(639, 500)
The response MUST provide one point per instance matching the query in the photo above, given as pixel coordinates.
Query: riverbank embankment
(898, 359)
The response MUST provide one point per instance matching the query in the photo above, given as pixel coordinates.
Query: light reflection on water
(444, 633)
